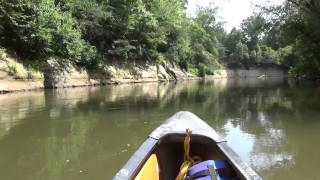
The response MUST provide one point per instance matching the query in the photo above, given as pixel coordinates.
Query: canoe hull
(166, 143)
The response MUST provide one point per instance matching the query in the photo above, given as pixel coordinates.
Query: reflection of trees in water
(59, 130)
(284, 121)
(93, 127)
(43, 143)
(251, 110)
(16, 107)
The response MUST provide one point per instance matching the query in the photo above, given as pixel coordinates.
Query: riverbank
(14, 76)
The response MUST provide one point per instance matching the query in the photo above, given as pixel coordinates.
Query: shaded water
(89, 133)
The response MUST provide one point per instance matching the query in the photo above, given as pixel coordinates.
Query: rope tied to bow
(188, 161)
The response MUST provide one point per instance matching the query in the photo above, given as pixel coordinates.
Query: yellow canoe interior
(149, 169)
(167, 157)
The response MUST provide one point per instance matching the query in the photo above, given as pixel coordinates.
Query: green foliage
(16, 70)
(2, 53)
(202, 70)
(41, 29)
(257, 43)
(231, 41)
(93, 33)
(61, 36)
(89, 33)
(252, 29)
(294, 33)
(17, 21)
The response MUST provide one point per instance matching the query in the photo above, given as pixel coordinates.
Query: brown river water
(89, 133)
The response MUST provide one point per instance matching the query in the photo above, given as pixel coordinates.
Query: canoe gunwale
(239, 165)
(130, 169)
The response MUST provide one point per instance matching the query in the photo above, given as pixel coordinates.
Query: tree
(252, 29)
(232, 39)
(295, 24)
(39, 29)
(17, 22)
(95, 33)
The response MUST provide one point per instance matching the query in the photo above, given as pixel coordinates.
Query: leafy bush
(41, 29)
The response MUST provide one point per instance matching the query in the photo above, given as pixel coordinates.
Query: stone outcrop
(58, 76)
(147, 73)
(174, 72)
(248, 73)
(54, 74)
(15, 77)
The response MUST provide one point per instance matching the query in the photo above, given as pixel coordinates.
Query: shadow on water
(89, 133)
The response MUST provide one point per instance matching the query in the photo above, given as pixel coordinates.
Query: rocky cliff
(14, 76)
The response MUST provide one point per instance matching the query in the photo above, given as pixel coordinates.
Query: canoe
(162, 154)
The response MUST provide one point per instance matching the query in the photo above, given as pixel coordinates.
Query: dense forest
(94, 33)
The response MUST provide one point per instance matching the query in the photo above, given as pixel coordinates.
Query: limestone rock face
(54, 74)
(248, 73)
(59, 76)
(15, 76)
(147, 72)
(175, 71)
(162, 73)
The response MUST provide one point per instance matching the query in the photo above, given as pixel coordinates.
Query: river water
(89, 133)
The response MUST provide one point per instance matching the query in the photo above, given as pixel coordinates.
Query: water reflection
(88, 133)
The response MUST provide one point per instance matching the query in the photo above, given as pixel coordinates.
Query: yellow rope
(188, 161)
